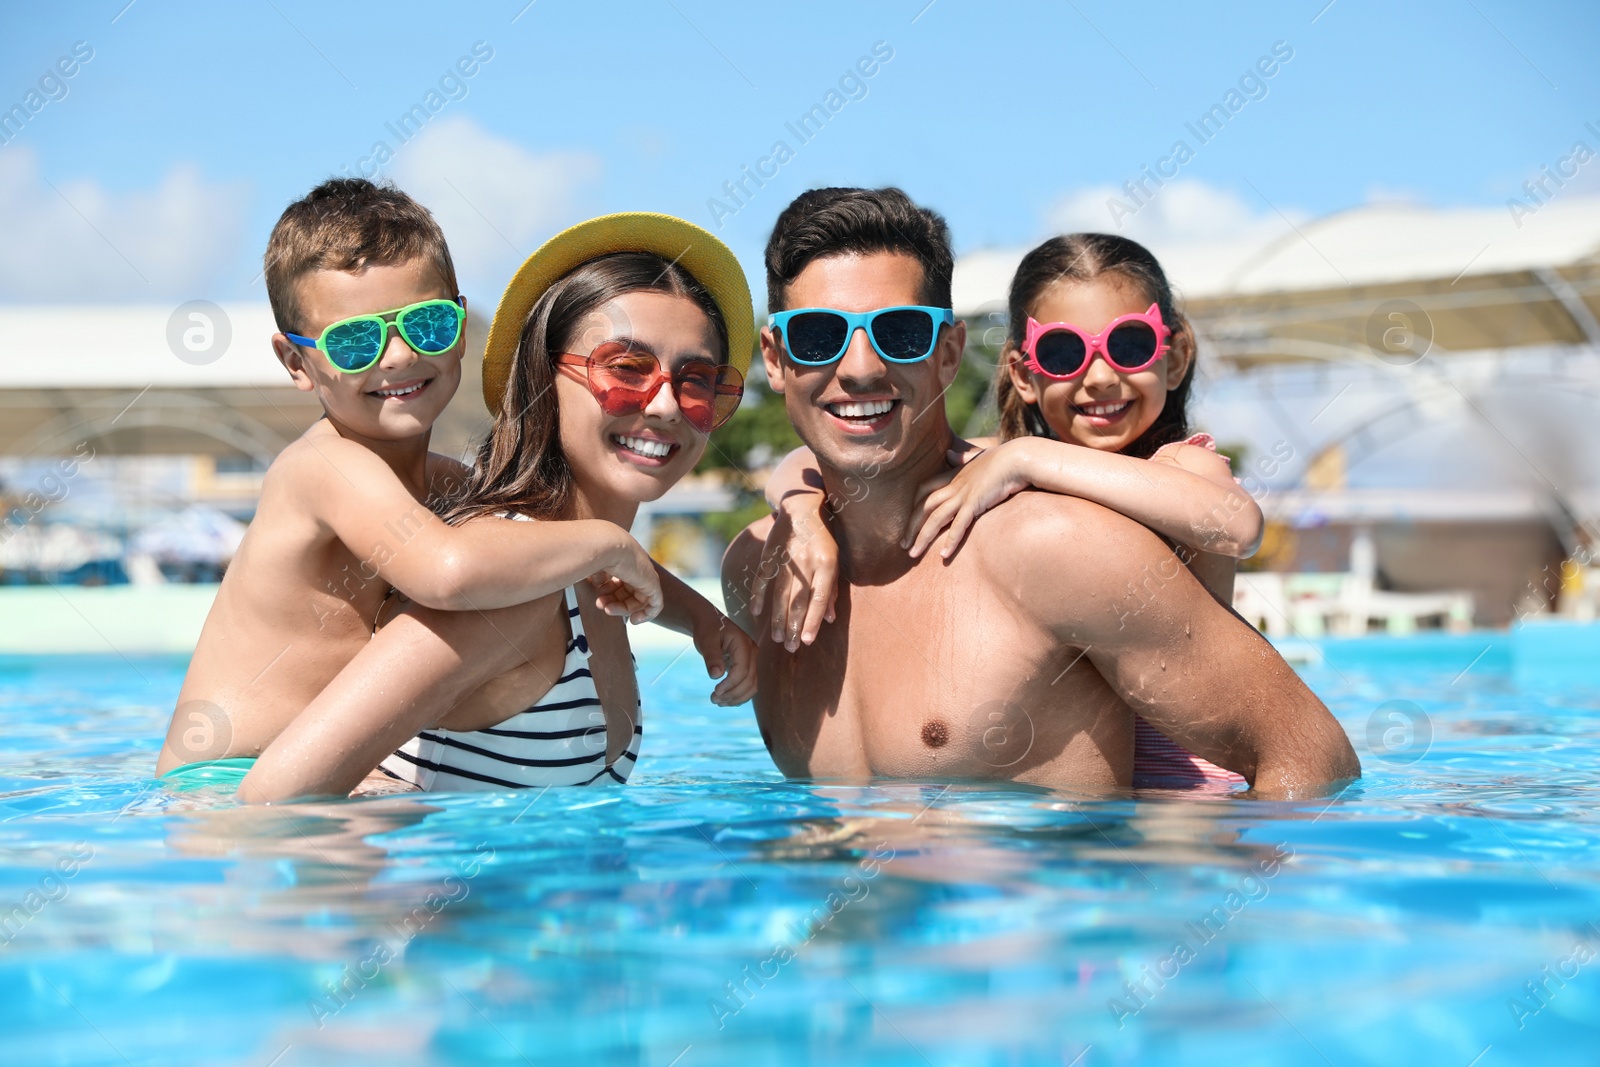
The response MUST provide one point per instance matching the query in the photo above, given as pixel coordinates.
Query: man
(1021, 657)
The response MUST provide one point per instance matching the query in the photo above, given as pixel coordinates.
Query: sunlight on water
(712, 913)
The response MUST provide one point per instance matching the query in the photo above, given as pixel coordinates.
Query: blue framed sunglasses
(353, 345)
(816, 337)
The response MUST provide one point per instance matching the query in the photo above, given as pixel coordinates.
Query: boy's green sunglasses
(356, 344)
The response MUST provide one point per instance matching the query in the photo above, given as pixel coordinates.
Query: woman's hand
(800, 569)
(630, 587)
(957, 498)
(729, 654)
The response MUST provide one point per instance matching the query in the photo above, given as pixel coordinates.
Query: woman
(616, 350)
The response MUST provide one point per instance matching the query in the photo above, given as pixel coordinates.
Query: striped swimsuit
(559, 741)
(1159, 761)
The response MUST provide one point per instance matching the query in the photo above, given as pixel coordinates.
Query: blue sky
(158, 174)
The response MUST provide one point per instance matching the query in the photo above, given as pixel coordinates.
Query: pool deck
(129, 619)
(166, 619)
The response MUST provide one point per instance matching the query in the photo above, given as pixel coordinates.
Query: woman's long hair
(521, 467)
(1082, 257)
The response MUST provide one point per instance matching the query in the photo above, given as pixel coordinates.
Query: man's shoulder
(1039, 526)
(747, 546)
(1059, 556)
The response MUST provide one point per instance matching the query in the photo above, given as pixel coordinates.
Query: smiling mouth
(861, 410)
(1109, 409)
(400, 390)
(644, 446)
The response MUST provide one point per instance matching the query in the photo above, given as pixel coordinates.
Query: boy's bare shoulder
(314, 472)
(317, 459)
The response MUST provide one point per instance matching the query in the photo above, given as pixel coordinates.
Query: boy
(364, 275)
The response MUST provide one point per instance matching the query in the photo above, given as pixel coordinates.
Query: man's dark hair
(834, 222)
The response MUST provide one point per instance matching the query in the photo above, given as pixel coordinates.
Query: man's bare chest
(924, 686)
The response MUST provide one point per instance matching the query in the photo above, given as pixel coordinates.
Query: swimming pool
(711, 913)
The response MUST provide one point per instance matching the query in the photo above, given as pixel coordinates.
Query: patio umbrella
(56, 547)
(194, 535)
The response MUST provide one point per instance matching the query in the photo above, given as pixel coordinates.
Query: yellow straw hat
(709, 260)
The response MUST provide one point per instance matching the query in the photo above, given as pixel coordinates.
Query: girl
(1093, 389)
(618, 347)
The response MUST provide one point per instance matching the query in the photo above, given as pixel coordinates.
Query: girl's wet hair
(521, 466)
(1083, 257)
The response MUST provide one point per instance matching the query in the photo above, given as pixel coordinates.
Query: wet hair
(521, 466)
(349, 224)
(1084, 257)
(834, 222)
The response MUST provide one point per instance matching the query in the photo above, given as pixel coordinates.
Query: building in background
(133, 439)
(1410, 394)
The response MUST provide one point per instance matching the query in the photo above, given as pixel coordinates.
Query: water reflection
(714, 909)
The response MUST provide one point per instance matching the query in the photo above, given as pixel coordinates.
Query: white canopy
(1372, 245)
(63, 346)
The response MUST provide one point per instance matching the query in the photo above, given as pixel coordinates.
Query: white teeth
(643, 446)
(1103, 409)
(403, 391)
(867, 410)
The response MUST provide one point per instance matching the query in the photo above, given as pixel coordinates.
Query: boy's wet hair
(1080, 258)
(834, 222)
(349, 224)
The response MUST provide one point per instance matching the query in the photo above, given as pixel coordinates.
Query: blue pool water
(907, 924)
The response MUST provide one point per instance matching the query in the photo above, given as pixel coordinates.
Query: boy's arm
(481, 565)
(1166, 647)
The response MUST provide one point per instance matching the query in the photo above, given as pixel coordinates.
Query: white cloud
(77, 241)
(495, 199)
(1183, 212)
(1205, 237)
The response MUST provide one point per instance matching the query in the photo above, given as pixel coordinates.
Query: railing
(1345, 605)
